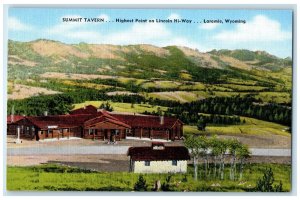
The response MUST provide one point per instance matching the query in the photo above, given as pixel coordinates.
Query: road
(112, 149)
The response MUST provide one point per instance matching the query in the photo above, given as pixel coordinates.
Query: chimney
(12, 114)
(161, 119)
(45, 113)
(158, 146)
(18, 141)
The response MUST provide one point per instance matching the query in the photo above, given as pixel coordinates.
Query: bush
(140, 185)
(265, 184)
(166, 185)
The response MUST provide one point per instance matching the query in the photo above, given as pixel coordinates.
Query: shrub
(265, 184)
(166, 185)
(140, 185)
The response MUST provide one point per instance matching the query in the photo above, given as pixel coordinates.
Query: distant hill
(27, 59)
(258, 59)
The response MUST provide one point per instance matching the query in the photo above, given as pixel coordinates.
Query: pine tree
(140, 185)
(201, 124)
(166, 186)
(265, 184)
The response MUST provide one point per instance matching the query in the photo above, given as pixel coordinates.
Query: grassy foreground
(62, 178)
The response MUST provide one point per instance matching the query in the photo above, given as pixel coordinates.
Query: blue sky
(268, 30)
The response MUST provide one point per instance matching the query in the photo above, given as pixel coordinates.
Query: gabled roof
(149, 121)
(105, 118)
(89, 115)
(61, 121)
(151, 154)
(85, 110)
(15, 118)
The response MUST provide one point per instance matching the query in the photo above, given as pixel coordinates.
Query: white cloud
(261, 28)
(208, 26)
(84, 36)
(104, 16)
(139, 33)
(174, 16)
(156, 34)
(74, 30)
(15, 24)
(150, 33)
(181, 41)
(65, 27)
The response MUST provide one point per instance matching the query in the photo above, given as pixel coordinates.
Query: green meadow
(251, 126)
(62, 178)
(123, 107)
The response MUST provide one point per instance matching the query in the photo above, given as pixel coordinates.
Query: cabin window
(92, 131)
(147, 163)
(174, 162)
(49, 131)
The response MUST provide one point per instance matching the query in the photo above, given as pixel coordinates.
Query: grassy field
(61, 178)
(278, 97)
(237, 87)
(161, 84)
(87, 85)
(123, 107)
(252, 127)
(181, 96)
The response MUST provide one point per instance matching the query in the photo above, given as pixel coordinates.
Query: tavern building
(92, 123)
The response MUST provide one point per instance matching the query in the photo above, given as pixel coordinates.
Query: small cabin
(158, 158)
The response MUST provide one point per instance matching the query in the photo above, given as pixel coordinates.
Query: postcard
(149, 100)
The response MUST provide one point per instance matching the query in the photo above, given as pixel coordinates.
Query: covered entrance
(105, 128)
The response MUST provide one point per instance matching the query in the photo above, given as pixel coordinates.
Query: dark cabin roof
(61, 121)
(145, 121)
(90, 114)
(160, 154)
(85, 110)
(15, 118)
(105, 118)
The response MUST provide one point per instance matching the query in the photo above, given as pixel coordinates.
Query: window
(115, 132)
(49, 131)
(92, 131)
(174, 162)
(147, 163)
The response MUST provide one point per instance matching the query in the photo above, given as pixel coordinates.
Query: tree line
(63, 103)
(244, 106)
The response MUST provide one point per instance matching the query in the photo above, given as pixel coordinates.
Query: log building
(92, 123)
